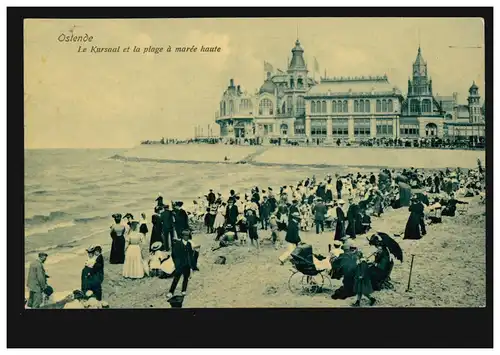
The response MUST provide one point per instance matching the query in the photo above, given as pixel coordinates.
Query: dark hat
(48, 291)
(176, 301)
(270, 189)
(159, 198)
(91, 249)
(179, 203)
(77, 294)
(117, 216)
(42, 254)
(128, 215)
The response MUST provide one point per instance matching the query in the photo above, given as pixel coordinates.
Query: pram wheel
(300, 283)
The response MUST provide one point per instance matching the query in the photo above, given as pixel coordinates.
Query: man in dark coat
(211, 197)
(181, 219)
(182, 255)
(339, 185)
(319, 210)
(352, 218)
(167, 227)
(293, 208)
(373, 179)
(232, 216)
(265, 212)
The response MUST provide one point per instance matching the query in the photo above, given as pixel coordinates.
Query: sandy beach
(449, 271)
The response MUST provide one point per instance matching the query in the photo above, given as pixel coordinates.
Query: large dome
(268, 87)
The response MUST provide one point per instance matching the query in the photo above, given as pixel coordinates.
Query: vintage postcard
(255, 162)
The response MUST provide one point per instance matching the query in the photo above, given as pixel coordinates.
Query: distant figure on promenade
(37, 281)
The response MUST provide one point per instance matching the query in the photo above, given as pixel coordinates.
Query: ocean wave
(40, 219)
(44, 229)
(72, 243)
(90, 219)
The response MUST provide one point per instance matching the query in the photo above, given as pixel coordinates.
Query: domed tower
(297, 83)
(297, 68)
(269, 86)
(475, 114)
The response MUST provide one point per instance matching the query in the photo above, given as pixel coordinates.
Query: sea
(70, 195)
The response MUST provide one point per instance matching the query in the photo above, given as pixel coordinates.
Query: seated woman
(365, 223)
(451, 206)
(435, 212)
(156, 258)
(381, 268)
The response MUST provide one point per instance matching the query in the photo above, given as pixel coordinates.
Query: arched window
(220, 109)
(301, 104)
(426, 105)
(334, 106)
(384, 106)
(323, 107)
(345, 106)
(283, 107)
(299, 83)
(289, 104)
(390, 106)
(356, 106)
(313, 107)
(339, 106)
(361, 106)
(379, 107)
(265, 107)
(367, 106)
(291, 83)
(224, 108)
(231, 107)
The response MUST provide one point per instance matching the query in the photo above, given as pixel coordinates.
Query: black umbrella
(128, 215)
(392, 245)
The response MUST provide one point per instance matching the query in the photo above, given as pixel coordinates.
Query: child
(273, 223)
(252, 221)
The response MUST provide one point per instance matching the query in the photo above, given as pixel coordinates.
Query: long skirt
(412, 229)
(133, 267)
(117, 255)
(339, 230)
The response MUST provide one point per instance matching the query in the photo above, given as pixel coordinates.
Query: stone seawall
(306, 156)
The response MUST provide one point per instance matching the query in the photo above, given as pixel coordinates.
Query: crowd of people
(434, 142)
(247, 218)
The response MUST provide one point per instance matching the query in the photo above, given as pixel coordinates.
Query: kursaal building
(293, 105)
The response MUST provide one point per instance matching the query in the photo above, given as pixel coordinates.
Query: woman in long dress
(133, 267)
(156, 231)
(118, 231)
(412, 229)
(340, 226)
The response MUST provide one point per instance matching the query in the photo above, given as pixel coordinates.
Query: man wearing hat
(339, 186)
(37, 281)
(211, 197)
(319, 211)
(181, 219)
(182, 253)
(167, 227)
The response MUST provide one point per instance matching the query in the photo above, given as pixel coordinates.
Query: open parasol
(392, 245)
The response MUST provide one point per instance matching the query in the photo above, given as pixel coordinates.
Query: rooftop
(361, 84)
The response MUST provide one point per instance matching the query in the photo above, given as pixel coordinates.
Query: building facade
(292, 105)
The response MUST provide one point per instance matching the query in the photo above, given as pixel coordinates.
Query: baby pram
(305, 276)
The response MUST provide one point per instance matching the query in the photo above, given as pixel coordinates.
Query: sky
(110, 100)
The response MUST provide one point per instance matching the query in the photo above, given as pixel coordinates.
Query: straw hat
(341, 202)
(156, 246)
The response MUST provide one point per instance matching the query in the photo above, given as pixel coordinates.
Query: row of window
(420, 107)
(359, 106)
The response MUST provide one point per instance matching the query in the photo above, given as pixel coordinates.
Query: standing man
(232, 216)
(211, 197)
(339, 186)
(167, 226)
(265, 212)
(37, 281)
(181, 219)
(182, 254)
(319, 211)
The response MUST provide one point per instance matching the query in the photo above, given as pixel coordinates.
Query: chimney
(231, 82)
(239, 89)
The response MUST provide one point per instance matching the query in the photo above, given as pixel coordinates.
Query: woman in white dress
(133, 267)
